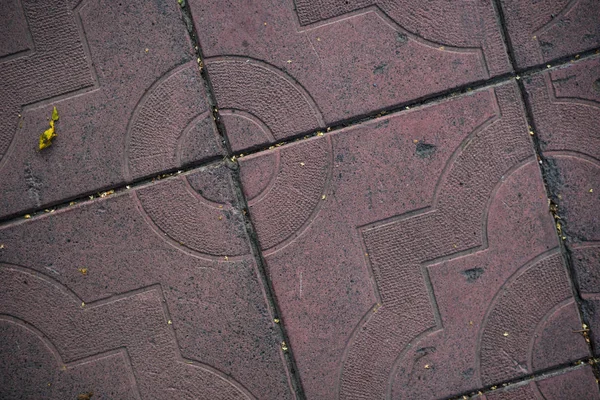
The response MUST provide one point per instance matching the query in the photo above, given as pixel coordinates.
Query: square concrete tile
(578, 384)
(147, 293)
(414, 256)
(546, 30)
(282, 68)
(124, 80)
(566, 111)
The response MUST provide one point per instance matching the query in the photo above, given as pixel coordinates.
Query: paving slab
(296, 66)
(578, 384)
(566, 111)
(124, 80)
(547, 30)
(147, 293)
(414, 256)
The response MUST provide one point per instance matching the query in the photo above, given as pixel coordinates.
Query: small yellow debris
(318, 39)
(471, 323)
(284, 346)
(505, 334)
(442, 47)
(427, 366)
(146, 49)
(27, 216)
(127, 187)
(64, 368)
(517, 77)
(91, 197)
(407, 107)
(276, 320)
(233, 158)
(289, 61)
(302, 164)
(328, 129)
(548, 66)
(1, 246)
(531, 133)
(170, 322)
(83, 271)
(323, 197)
(265, 24)
(535, 38)
(107, 193)
(221, 206)
(82, 304)
(49, 134)
(319, 133)
(46, 210)
(72, 203)
(226, 258)
(577, 56)
(494, 388)
(377, 307)
(591, 190)
(584, 326)
(220, 217)
(366, 254)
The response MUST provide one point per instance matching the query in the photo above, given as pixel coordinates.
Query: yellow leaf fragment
(83, 271)
(49, 134)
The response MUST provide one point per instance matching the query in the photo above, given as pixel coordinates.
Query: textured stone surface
(578, 384)
(129, 96)
(566, 110)
(416, 258)
(545, 30)
(164, 316)
(317, 62)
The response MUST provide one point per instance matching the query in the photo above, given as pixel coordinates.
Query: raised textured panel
(352, 58)
(265, 92)
(397, 248)
(569, 122)
(166, 116)
(189, 220)
(135, 321)
(57, 66)
(14, 32)
(510, 323)
(551, 29)
(301, 181)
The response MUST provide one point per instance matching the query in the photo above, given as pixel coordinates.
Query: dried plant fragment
(49, 134)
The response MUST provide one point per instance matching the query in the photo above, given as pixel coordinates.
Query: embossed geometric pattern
(545, 30)
(340, 59)
(128, 91)
(300, 199)
(566, 111)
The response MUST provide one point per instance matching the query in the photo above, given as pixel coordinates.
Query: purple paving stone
(566, 111)
(545, 30)
(413, 256)
(148, 293)
(294, 67)
(579, 384)
(128, 92)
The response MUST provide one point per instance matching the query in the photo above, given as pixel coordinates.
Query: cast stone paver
(542, 31)
(126, 85)
(566, 111)
(414, 256)
(579, 384)
(147, 294)
(282, 68)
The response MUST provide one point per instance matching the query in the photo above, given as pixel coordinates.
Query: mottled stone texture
(124, 80)
(546, 30)
(566, 110)
(318, 62)
(151, 293)
(397, 239)
(418, 258)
